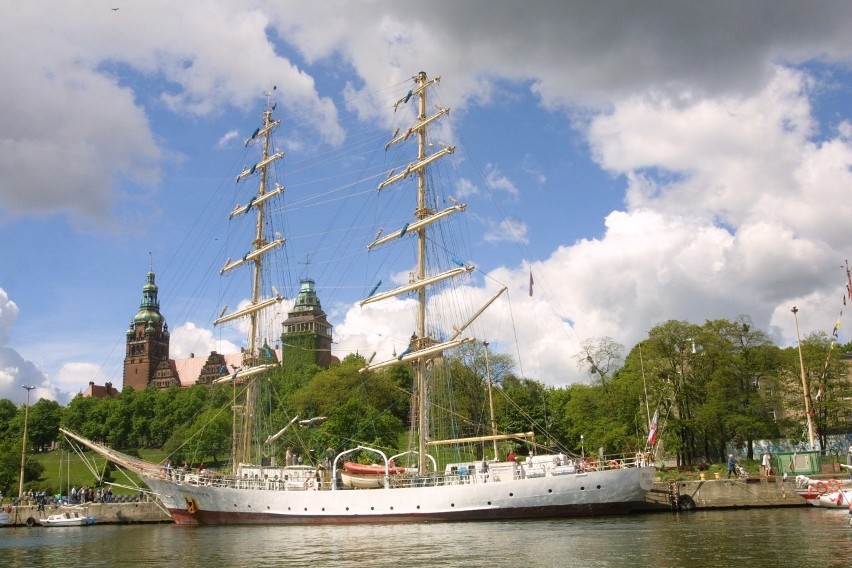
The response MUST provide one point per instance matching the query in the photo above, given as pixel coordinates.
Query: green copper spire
(149, 309)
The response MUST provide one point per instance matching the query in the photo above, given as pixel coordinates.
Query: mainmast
(421, 213)
(252, 362)
(422, 348)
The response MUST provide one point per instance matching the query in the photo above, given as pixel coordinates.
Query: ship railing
(608, 462)
(307, 483)
(462, 474)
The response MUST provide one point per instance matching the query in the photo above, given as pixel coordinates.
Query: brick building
(306, 336)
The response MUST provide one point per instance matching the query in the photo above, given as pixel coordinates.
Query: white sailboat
(441, 481)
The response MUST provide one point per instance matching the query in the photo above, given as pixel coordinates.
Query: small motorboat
(67, 519)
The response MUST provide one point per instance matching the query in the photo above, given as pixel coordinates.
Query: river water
(752, 538)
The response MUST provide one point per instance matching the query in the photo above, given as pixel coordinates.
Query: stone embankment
(105, 513)
(724, 494)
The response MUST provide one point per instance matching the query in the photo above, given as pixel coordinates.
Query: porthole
(582, 489)
(489, 502)
(452, 504)
(511, 494)
(599, 486)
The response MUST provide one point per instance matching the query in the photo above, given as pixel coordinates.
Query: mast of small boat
(805, 388)
(61, 479)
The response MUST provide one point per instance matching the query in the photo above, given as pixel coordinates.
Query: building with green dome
(306, 341)
(307, 334)
(146, 360)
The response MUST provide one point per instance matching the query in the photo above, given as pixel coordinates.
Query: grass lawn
(63, 470)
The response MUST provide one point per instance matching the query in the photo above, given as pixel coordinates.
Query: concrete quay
(724, 494)
(105, 513)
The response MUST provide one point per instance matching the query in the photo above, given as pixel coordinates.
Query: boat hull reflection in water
(756, 538)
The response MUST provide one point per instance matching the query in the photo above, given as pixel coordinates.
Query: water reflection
(803, 536)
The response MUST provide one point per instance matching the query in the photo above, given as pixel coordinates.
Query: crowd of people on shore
(76, 496)
(87, 494)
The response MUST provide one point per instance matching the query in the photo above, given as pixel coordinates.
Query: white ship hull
(615, 491)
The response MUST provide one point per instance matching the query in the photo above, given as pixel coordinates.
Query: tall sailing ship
(438, 477)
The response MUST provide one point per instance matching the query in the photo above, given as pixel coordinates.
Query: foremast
(254, 362)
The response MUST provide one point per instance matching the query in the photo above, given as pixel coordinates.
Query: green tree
(141, 407)
(8, 410)
(669, 354)
(43, 422)
(87, 416)
(523, 405)
(828, 388)
(118, 420)
(735, 360)
(10, 463)
(361, 408)
(716, 384)
(208, 436)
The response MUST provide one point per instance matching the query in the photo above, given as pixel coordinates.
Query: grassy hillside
(63, 469)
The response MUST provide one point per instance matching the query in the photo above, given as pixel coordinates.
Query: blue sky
(683, 160)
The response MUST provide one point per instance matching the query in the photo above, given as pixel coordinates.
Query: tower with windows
(146, 360)
(307, 334)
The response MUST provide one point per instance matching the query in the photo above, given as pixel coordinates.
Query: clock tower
(147, 343)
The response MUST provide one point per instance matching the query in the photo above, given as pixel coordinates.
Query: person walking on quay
(732, 466)
(766, 465)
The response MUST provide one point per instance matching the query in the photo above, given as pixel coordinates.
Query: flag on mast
(652, 435)
(531, 284)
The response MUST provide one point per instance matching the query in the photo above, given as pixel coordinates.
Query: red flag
(652, 435)
(531, 284)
